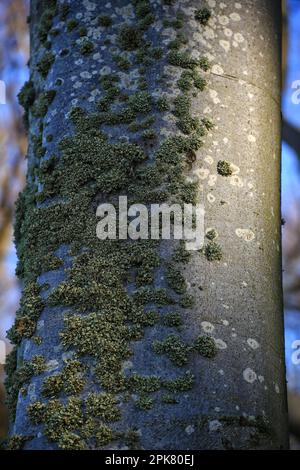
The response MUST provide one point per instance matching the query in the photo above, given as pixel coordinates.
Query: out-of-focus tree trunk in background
(13, 142)
(125, 345)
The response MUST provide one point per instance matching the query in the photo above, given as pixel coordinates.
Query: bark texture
(142, 344)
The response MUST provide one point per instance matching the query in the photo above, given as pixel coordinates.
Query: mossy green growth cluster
(40, 107)
(176, 23)
(64, 10)
(172, 319)
(44, 64)
(27, 95)
(211, 234)
(205, 346)
(104, 20)
(213, 251)
(18, 378)
(86, 47)
(181, 254)
(190, 79)
(46, 21)
(72, 24)
(174, 348)
(178, 351)
(130, 38)
(144, 402)
(147, 386)
(175, 279)
(16, 442)
(162, 104)
(187, 123)
(203, 15)
(77, 423)
(31, 307)
(184, 60)
(70, 380)
(224, 168)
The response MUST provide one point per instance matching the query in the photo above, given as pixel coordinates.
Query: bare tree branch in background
(291, 135)
(291, 259)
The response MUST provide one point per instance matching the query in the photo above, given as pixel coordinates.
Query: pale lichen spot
(52, 365)
(209, 160)
(170, 33)
(207, 327)
(209, 33)
(235, 17)
(235, 180)
(106, 70)
(90, 6)
(239, 37)
(246, 234)
(202, 173)
(238, 6)
(127, 12)
(190, 429)
(220, 343)
(31, 392)
(214, 425)
(214, 96)
(207, 110)
(228, 32)
(40, 325)
(86, 74)
(212, 180)
(217, 69)
(277, 390)
(249, 375)
(253, 343)
(127, 365)
(209, 56)
(212, 3)
(96, 56)
(211, 198)
(225, 45)
(223, 20)
(235, 169)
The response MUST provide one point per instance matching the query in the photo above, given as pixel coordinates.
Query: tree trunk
(143, 344)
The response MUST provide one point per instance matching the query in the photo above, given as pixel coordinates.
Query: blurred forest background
(14, 55)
